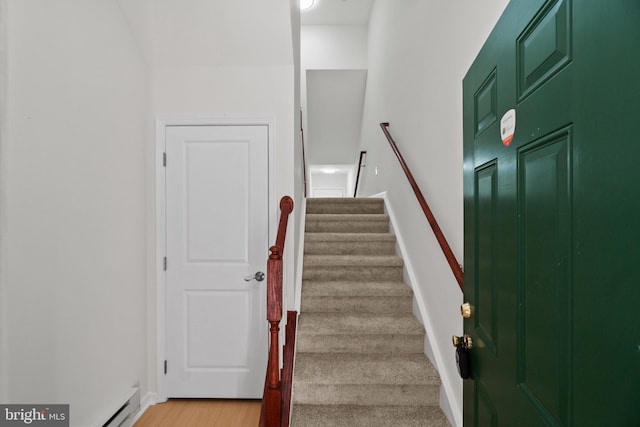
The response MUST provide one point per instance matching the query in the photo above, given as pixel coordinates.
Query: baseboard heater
(127, 408)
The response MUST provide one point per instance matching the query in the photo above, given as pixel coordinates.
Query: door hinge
(164, 159)
(165, 367)
(164, 263)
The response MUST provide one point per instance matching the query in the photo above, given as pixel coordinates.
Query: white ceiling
(337, 12)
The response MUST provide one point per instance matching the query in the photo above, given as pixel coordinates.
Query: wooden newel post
(271, 414)
(274, 315)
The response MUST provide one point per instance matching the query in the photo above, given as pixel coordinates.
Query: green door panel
(552, 228)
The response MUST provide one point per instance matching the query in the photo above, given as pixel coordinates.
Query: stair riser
(331, 304)
(349, 248)
(355, 289)
(358, 323)
(359, 207)
(341, 226)
(345, 210)
(396, 344)
(352, 273)
(355, 394)
(367, 369)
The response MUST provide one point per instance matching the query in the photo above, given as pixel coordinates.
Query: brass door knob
(465, 341)
(465, 310)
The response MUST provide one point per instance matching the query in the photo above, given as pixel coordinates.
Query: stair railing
(456, 268)
(304, 160)
(360, 166)
(288, 356)
(272, 401)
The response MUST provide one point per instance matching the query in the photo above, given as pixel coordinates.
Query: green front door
(552, 216)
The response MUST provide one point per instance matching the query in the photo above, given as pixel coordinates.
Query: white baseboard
(148, 400)
(420, 311)
(298, 274)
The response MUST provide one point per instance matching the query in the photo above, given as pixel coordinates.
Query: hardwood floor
(202, 413)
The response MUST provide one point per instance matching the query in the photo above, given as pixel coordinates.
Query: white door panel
(216, 234)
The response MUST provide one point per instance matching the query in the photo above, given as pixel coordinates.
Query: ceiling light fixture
(306, 4)
(329, 170)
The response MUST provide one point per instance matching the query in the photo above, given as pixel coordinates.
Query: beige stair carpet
(359, 350)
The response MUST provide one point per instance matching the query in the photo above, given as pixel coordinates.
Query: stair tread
(348, 298)
(361, 343)
(348, 237)
(355, 289)
(351, 205)
(368, 416)
(344, 200)
(365, 368)
(361, 243)
(347, 217)
(357, 323)
(346, 260)
(366, 394)
(327, 304)
(346, 223)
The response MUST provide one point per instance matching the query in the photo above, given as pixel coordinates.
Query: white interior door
(216, 235)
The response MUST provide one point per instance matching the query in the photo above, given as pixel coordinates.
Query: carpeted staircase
(360, 358)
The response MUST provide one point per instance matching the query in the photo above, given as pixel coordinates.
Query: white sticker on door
(508, 127)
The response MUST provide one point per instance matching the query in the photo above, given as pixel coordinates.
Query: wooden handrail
(286, 207)
(355, 188)
(446, 249)
(304, 160)
(271, 415)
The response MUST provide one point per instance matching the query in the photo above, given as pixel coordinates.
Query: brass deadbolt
(468, 342)
(465, 310)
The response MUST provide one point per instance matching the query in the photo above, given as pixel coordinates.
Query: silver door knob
(259, 276)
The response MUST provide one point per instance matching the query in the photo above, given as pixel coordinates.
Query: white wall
(330, 47)
(333, 47)
(299, 166)
(238, 92)
(211, 32)
(335, 106)
(77, 251)
(4, 366)
(73, 218)
(419, 51)
(215, 59)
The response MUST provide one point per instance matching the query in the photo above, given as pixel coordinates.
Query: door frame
(161, 124)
